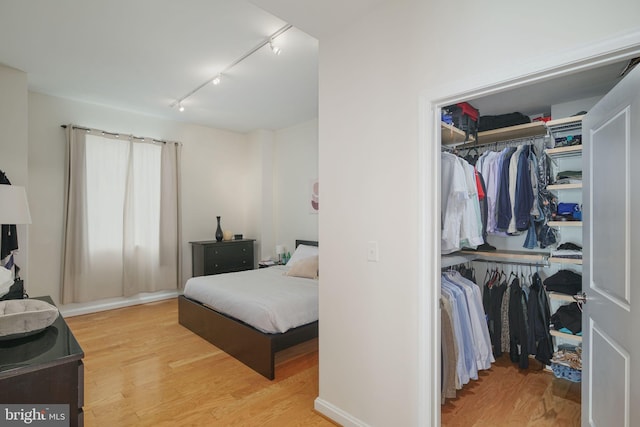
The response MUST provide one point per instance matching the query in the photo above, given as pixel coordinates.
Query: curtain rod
(117, 135)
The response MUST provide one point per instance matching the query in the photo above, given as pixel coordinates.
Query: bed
(255, 346)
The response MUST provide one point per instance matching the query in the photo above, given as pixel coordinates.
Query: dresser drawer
(211, 257)
(227, 258)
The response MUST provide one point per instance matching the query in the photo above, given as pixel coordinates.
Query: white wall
(286, 160)
(13, 149)
(378, 319)
(261, 197)
(295, 166)
(368, 177)
(567, 109)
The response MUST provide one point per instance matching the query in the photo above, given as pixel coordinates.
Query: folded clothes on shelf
(567, 364)
(566, 253)
(564, 281)
(571, 357)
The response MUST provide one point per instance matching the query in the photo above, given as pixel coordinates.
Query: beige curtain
(122, 228)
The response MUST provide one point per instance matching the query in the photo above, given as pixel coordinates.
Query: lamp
(279, 252)
(14, 208)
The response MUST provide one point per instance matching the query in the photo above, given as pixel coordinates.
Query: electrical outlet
(372, 251)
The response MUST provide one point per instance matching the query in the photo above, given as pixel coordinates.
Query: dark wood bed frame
(252, 347)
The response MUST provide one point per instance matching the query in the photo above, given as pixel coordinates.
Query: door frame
(621, 47)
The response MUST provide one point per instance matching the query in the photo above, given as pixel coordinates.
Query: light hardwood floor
(508, 396)
(143, 369)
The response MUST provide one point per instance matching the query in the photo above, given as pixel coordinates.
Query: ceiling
(141, 56)
(144, 55)
(539, 97)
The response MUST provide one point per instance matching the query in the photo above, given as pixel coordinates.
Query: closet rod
(506, 142)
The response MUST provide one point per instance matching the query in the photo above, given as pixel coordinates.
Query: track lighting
(275, 49)
(217, 79)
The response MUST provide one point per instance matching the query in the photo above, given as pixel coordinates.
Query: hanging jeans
(532, 238)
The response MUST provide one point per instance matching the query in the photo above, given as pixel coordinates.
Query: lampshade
(279, 249)
(14, 208)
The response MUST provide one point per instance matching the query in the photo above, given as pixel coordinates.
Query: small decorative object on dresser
(219, 234)
(227, 235)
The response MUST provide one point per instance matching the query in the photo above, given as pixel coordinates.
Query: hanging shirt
(524, 192)
(490, 171)
(465, 365)
(514, 166)
(504, 200)
(479, 330)
(454, 195)
(471, 228)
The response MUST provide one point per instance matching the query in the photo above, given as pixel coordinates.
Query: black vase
(218, 231)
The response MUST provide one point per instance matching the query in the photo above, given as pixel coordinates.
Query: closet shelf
(565, 124)
(564, 223)
(557, 187)
(565, 336)
(570, 150)
(534, 257)
(559, 260)
(574, 120)
(512, 132)
(452, 135)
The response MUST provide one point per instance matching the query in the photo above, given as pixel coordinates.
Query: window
(122, 234)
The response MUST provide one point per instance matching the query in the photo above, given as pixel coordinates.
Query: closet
(606, 227)
(513, 255)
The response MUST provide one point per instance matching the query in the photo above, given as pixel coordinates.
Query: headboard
(306, 242)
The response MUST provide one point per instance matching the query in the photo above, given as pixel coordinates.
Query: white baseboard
(336, 414)
(77, 309)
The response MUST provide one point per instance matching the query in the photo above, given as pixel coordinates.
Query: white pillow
(307, 268)
(302, 252)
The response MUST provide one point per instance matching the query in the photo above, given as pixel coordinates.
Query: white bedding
(264, 298)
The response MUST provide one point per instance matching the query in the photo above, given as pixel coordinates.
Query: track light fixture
(217, 79)
(275, 49)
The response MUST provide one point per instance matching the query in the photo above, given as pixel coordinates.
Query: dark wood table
(45, 368)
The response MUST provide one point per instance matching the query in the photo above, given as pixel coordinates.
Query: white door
(611, 272)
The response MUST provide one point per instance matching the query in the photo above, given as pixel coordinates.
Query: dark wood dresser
(45, 368)
(212, 257)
